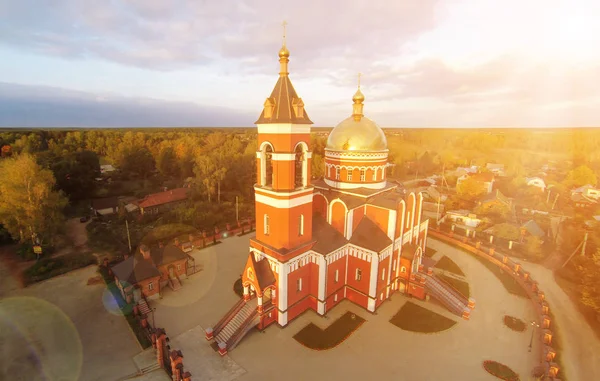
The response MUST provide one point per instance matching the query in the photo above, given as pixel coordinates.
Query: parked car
(84, 219)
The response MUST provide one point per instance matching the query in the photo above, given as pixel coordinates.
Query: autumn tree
(533, 247)
(471, 188)
(166, 162)
(76, 173)
(580, 176)
(30, 209)
(590, 290)
(507, 231)
(137, 160)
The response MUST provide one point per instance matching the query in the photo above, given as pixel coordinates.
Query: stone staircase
(236, 322)
(449, 297)
(175, 283)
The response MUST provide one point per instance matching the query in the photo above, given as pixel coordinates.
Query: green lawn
(449, 265)
(317, 338)
(50, 267)
(500, 370)
(459, 285)
(414, 318)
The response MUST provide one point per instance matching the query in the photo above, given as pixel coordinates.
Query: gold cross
(359, 75)
(284, 25)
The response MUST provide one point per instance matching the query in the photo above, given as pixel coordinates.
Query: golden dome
(358, 96)
(284, 52)
(357, 135)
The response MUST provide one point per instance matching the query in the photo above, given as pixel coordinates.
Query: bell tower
(283, 191)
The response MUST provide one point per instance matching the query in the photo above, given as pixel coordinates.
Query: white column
(349, 222)
(322, 285)
(373, 282)
(389, 273)
(392, 224)
(282, 300)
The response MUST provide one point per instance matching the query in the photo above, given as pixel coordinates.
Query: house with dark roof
(148, 271)
(105, 206)
(531, 228)
(159, 202)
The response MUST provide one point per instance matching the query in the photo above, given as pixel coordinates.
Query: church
(350, 235)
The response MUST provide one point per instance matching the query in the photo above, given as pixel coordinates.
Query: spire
(284, 55)
(358, 99)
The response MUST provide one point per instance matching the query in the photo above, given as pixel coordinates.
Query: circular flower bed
(514, 323)
(500, 370)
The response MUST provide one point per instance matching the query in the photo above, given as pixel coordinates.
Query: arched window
(349, 176)
(375, 174)
(403, 269)
(301, 225)
(267, 229)
(337, 173)
(299, 164)
(363, 175)
(268, 166)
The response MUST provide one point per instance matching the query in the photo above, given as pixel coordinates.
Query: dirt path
(581, 348)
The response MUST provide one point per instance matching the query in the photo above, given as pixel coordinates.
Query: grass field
(449, 265)
(414, 318)
(320, 339)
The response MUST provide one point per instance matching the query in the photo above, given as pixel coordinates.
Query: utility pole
(585, 237)
(554, 203)
(438, 210)
(237, 211)
(548, 198)
(128, 238)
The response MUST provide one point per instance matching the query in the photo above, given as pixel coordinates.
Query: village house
(531, 228)
(162, 201)
(461, 171)
(148, 271)
(496, 169)
(463, 218)
(485, 178)
(105, 206)
(536, 182)
(588, 191)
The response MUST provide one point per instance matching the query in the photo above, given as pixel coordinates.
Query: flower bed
(415, 318)
(320, 339)
(500, 370)
(514, 323)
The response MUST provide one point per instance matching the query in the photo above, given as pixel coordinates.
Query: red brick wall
(330, 301)
(356, 297)
(338, 216)
(339, 265)
(284, 142)
(409, 214)
(283, 225)
(304, 272)
(381, 284)
(416, 290)
(357, 216)
(320, 205)
(363, 284)
(379, 215)
(164, 269)
(144, 286)
(301, 306)
(400, 212)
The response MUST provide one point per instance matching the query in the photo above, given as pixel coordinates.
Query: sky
(182, 63)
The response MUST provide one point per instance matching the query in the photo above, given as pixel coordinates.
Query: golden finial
(358, 96)
(284, 52)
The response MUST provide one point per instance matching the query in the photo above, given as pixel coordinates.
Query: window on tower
(358, 275)
(299, 285)
(337, 276)
(337, 173)
(349, 177)
(363, 175)
(383, 274)
(267, 229)
(299, 167)
(301, 225)
(268, 166)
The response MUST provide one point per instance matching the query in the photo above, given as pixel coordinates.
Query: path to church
(376, 349)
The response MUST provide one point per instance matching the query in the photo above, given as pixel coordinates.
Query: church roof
(408, 251)
(135, 269)
(264, 275)
(328, 238)
(284, 98)
(368, 235)
(388, 200)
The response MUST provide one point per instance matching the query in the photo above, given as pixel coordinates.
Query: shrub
(50, 267)
(514, 323)
(500, 370)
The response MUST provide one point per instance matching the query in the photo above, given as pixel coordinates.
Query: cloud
(39, 106)
(171, 34)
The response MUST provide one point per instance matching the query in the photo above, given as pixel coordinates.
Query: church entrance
(267, 296)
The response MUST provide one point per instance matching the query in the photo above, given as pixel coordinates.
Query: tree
(497, 211)
(76, 174)
(317, 166)
(533, 246)
(580, 176)
(29, 207)
(137, 160)
(166, 162)
(590, 290)
(471, 188)
(507, 231)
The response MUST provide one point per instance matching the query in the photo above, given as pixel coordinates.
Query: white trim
(356, 154)
(346, 185)
(391, 223)
(258, 154)
(373, 277)
(350, 218)
(349, 191)
(267, 192)
(322, 280)
(283, 128)
(371, 305)
(284, 156)
(283, 204)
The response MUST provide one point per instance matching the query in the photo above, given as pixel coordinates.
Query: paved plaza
(377, 348)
